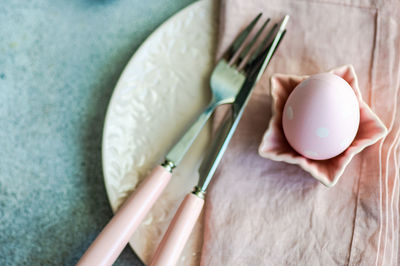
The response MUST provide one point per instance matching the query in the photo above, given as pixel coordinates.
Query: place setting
(241, 126)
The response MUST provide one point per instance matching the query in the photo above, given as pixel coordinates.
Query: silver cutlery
(174, 240)
(226, 79)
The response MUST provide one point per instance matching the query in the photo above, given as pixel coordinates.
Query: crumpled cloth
(262, 212)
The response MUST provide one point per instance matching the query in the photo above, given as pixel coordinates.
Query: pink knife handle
(113, 238)
(178, 232)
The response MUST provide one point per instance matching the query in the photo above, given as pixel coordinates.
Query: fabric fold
(262, 212)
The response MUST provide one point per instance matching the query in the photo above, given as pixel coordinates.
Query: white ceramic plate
(163, 87)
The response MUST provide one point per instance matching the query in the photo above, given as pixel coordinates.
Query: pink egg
(321, 116)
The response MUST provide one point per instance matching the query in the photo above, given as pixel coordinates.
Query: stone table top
(59, 63)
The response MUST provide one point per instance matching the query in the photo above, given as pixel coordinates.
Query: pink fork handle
(178, 232)
(113, 238)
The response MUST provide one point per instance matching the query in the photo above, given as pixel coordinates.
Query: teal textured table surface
(59, 63)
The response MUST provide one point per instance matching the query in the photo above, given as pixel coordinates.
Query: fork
(226, 79)
(181, 226)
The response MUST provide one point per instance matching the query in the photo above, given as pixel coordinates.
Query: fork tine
(264, 57)
(250, 45)
(261, 56)
(263, 45)
(242, 37)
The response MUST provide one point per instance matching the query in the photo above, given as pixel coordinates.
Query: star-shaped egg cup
(274, 145)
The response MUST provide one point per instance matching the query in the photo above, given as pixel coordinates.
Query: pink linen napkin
(261, 212)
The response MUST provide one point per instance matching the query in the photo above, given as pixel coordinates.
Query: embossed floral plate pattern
(163, 87)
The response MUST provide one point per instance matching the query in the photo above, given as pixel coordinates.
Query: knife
(178, 232)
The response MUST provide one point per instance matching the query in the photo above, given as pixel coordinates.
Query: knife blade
(228, 126)
(181, 226)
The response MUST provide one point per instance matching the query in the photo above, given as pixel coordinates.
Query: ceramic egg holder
(274, 145)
